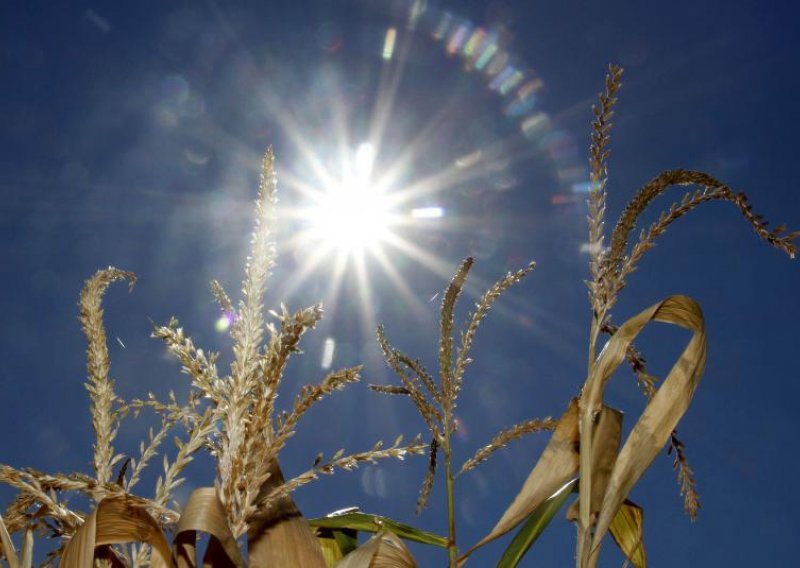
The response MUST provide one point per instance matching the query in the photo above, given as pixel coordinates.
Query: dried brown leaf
(607, 434)
(384, 550)
(557, 465)
(661, 415)
(7, 547)
(27, 549)
(205, 513)
(116, 520)
(278, 535)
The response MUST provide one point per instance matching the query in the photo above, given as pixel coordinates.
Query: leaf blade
(535, 525)
(627, 529)
(374, 523)
(116, 520)
(7, 546)
(556, 466)
(665, 409)
(384, 550)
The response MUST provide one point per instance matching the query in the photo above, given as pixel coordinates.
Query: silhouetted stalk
(452, 550)
(585, 482)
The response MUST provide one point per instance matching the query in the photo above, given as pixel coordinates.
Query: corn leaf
(27, 549)
(606, 435)
(331, 552)
(279, 535)
(535, 525)
(7, 546)
(664, 410)
(106, 557)
(289, 540)
(336, 544)
(116, 520)
(347, 540)
(374, 523)
(627, 529)
(204, 512)
(384, 550)
(557, 465)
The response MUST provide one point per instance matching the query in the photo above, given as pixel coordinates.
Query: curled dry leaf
(279, 535)
(557, 465)
(661, 415)
(116, 520)
(204, 512)
(384, 550)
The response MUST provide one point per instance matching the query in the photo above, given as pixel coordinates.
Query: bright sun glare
(354, 218)
(352, 215)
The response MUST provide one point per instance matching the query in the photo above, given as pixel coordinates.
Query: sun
(352, 219)
(351, 215)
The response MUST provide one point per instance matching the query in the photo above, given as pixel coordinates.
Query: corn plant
(584, 455)
(247, 510)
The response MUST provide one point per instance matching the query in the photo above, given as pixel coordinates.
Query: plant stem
(585, 483)
(452, 550)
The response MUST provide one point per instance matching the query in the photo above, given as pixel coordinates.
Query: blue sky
(131, 136)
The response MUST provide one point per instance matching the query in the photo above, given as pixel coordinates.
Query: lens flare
(352, 215)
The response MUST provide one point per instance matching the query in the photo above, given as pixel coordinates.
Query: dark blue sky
(131, 134)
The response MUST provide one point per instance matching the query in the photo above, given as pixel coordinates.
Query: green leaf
(336, 544)
(347, 540)
(374, 523)
(535, 525)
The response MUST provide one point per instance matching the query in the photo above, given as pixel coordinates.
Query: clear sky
(131, 135)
